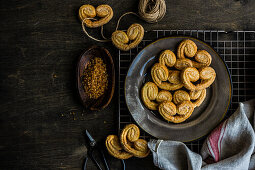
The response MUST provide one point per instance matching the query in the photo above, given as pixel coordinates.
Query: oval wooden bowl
(105, 99)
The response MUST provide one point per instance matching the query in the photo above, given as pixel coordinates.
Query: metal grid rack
(236, 48)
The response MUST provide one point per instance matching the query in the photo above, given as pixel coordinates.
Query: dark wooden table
(41, 118)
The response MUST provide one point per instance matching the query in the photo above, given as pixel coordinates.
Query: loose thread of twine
(127, 13)
(85, 31)
(152, 10)
(102, 34)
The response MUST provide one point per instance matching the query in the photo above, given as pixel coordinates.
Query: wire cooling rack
(236, 48)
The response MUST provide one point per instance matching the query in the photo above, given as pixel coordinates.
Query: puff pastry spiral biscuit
(167, 58)
(186, 48)
(164, 95)
(198, 96)
(180, 96)
(174, 77)
(183, 63)
(150, 93)
(189, 75)
(133, 36)
(167, 110)
(207, 76)
(203, 59)
(132, 133)
(105, 13)
(114, 148)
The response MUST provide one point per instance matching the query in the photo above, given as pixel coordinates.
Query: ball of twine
(152, 10)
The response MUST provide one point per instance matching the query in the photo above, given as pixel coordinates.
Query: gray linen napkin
(229, 146)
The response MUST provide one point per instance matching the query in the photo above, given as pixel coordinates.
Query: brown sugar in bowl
(85, 58)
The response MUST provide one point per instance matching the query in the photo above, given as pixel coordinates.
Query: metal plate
(203, 119)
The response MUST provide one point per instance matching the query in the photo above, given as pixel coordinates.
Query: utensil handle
(95, 161)
(123, 164)
(105, 161)
(85, 163)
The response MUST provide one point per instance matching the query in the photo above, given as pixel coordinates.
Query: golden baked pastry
(198, 96)
(195, 94)
(164, 95)
(203, 59)
(159, 73)
(167, 110)
(133, 36)
(174, 114)
(174, 77)
(167, 58)
(189, 75)
(186, 48)
(169, 86)
(86, 12)
(114, 148)
(207, 76)
(141, 145)
(181, 64)
(149, 93)
(180, 96)
(185, 110)
(131, 133)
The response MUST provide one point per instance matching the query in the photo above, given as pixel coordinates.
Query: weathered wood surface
(41, 117)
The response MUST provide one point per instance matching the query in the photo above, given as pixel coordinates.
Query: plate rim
(209, 46)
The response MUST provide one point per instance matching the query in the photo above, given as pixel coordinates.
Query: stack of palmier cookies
(129, 144)
(182, 81)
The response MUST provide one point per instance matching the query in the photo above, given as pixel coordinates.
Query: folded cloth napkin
(229, 146)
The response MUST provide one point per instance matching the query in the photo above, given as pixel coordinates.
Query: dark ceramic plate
(204, 118)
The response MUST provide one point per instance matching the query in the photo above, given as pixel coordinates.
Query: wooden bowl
(105, 99)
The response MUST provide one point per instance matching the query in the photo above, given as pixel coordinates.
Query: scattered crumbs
(54, 76)
(62, 114)
(105, 122)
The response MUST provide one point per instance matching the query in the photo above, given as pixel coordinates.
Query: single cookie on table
(131, 133)
(86, 12)
(115, 149)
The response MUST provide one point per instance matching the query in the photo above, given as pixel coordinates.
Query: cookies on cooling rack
(183, 82)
